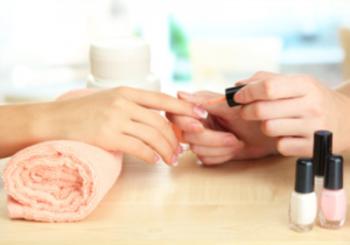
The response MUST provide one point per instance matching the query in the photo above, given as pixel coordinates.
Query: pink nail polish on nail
(174, 161)
(200, 112)
(157, 159)
(179, 150)
(333, 198)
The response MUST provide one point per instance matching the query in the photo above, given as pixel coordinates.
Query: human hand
(292, 107)
(224, 135)
(121, 119)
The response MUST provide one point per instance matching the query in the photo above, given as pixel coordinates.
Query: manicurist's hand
(224, 135)
(292, 107)
(121, 119)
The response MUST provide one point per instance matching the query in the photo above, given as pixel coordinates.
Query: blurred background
(44, 44)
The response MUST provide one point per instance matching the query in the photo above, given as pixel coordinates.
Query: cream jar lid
(120, 59)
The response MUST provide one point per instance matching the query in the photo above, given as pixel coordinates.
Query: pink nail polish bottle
(333, 199)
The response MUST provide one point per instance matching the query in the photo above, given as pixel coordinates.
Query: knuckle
(281, 148)
(119, 102)
(268, 89)
(267, 128)
(259, 74)
(122, 89)
(315, 109)
(258, 110)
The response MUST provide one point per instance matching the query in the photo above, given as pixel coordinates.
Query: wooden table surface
(236, 203)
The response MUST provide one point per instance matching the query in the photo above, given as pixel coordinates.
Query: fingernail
(200, 112)
(199, 162)
(174, 161)
(238, 96)
(157, 159)
(179, 149)
(229, 140)
(196, 126)
(185, 146)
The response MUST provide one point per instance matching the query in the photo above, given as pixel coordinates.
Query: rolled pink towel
(59, 181)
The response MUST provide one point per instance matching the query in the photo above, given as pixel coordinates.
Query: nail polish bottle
(322, 150)
(303, 202)
(333, 198)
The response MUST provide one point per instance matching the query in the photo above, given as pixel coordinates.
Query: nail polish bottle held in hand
(303, 202)
(333, 197)
(322, 150)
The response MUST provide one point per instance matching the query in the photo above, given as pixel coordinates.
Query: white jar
(121, 62)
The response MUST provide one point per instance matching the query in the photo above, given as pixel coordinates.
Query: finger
(266, 110)
(155, 120)
(285, 127)
(215, 160)
(260, 75)
(160, 101)
(277, 87)
(295, 146)
(263, 75)
(135, 147)
(205, 151)
(202, 97)
(185, 123)
(153, 138)
(210, 137)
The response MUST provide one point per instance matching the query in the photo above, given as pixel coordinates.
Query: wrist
(42, 122)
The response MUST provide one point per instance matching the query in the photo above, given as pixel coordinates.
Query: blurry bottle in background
(121, 61)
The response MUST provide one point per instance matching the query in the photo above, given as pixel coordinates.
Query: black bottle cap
(230, 94)
(304, 176)
(333, 179)
(322, 150)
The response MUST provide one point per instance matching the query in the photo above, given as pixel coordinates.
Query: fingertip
(240, 96)
(200, 112)
(185, 96)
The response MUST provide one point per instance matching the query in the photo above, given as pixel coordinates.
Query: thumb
(202, 97)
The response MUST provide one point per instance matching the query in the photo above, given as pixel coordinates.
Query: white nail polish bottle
(303, 202)
(322, 150)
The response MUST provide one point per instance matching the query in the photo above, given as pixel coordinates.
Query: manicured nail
(174, 161)
(196, 126)
(200, 112)
(179, 149)
(238, 96)
(157, 159)
(229, 140)
(185, 146)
